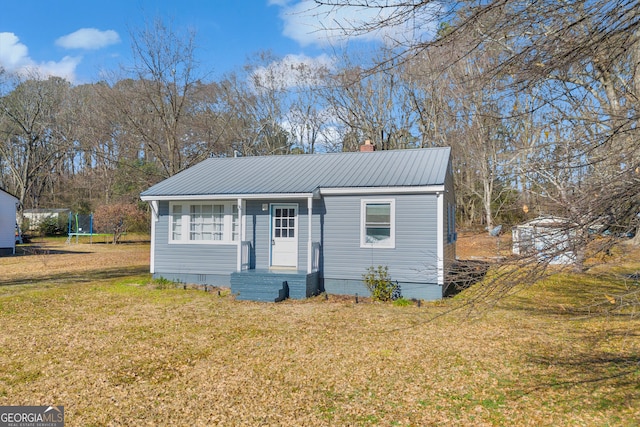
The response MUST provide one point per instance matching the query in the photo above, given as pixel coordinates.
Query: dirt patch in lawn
(480, 245)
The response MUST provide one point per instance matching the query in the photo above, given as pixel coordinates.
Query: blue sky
(76, 39)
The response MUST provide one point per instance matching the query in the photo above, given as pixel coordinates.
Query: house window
(206, 222)
(235, 223)
(377, 224)
(452, 236)
(176, 222)
(203, 223)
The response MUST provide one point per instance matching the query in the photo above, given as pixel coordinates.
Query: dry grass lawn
(83, 327)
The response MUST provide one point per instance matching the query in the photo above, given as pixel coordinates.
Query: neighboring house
(549, 238)
(296, 225)
(35, 217)
(7, 223)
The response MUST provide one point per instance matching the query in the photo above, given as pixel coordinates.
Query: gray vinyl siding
(213, 264)
(191, 263)
(413, 261)
(449, 200)
(7, 223)
(258, 230)
(336, 225)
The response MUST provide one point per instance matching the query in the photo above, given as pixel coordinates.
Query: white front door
(284, 235)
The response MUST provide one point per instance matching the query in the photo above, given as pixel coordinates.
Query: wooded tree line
(538, 100)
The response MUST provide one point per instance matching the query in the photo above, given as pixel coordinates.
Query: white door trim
(284, 249)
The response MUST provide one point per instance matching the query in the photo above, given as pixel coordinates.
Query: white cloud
(88, 38)
(13, 54)
(311, 24)
(278, 2)
(292, 71)
(65, 68)
(14, 57)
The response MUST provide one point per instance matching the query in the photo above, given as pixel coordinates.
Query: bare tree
(375, 107)
(267, 98)
(33, 142)
(568, 103)
(308, 115)
(457, 107)
(156, 104)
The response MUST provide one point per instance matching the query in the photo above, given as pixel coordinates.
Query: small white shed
(549, 238)
(7, 223)
(35, 217)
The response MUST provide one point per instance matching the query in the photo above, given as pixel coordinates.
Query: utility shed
(7, 223)
(35, 217)
(549, 238)
(273, 227)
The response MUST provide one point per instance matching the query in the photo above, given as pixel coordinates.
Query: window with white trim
(377, 223)
(203, 222)
(176, 222)
(235, 223)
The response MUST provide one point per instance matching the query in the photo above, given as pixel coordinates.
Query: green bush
(53, 226)
(379, 283)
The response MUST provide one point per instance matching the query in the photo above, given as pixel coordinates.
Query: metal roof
(44, 210)
(8, 194)
(306, 173)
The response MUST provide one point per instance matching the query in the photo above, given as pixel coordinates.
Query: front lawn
(116, 349)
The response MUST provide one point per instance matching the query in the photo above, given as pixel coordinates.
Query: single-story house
(548, 238)
(297, 225)
(7, 223)
(35, 217)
